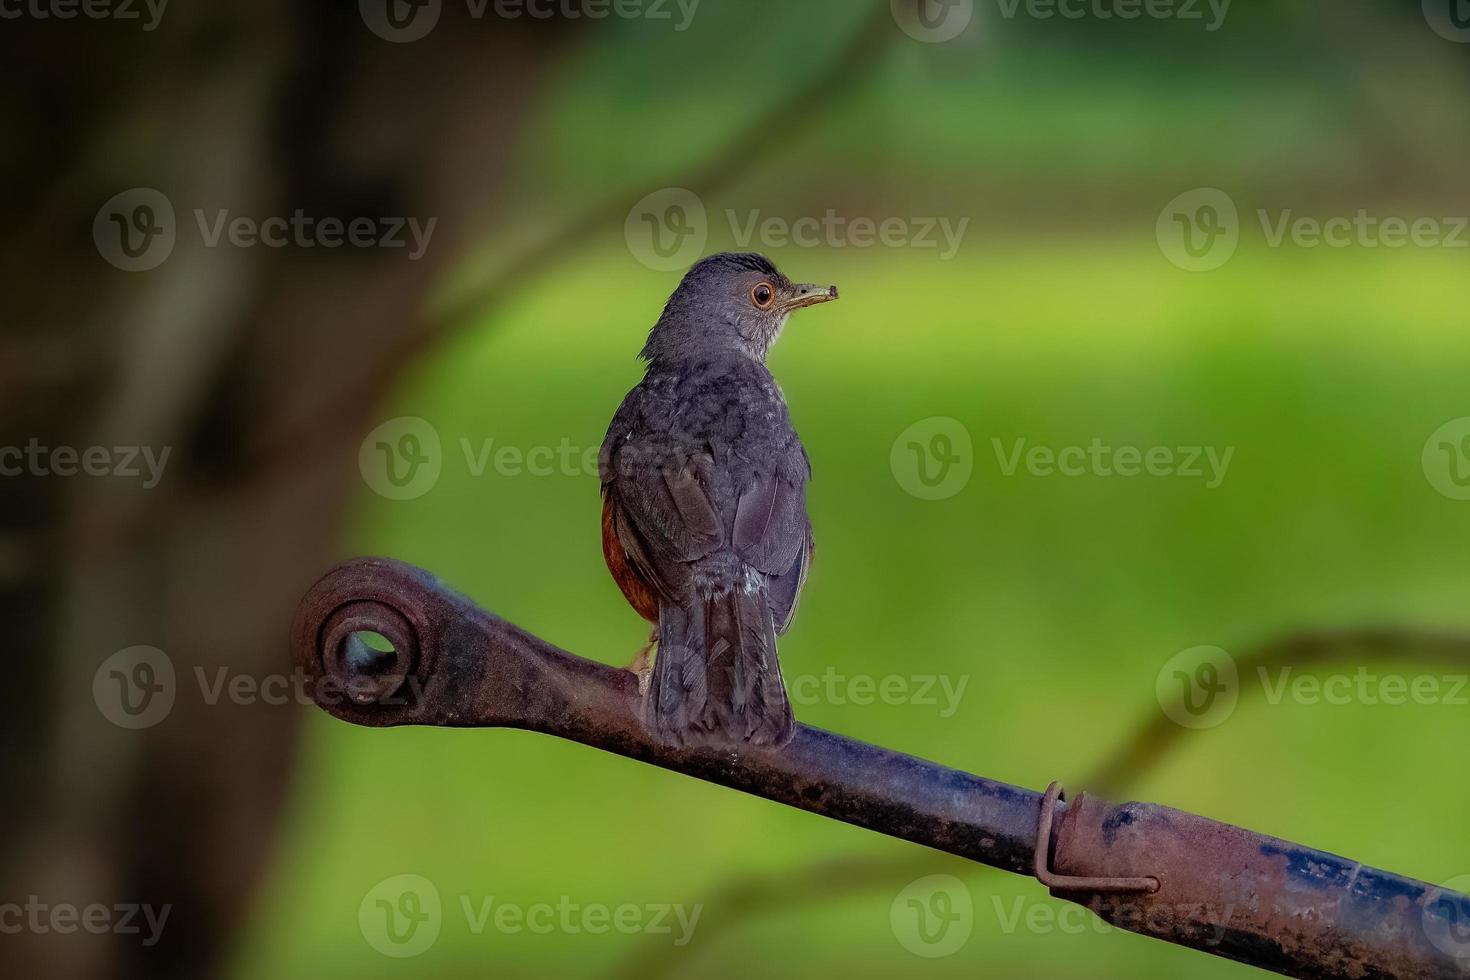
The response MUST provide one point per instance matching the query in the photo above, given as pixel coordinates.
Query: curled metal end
(382, 643)
(1068, 883)
(367, 651)
(358, 639)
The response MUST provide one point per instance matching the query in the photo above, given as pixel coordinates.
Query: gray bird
(704, 523)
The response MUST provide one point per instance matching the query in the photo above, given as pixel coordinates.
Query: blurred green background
(1055, 600)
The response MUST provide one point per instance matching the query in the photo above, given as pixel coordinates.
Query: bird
(704, 518)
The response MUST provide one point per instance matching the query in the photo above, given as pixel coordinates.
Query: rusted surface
(1261, 900)
(1221, 889)
(1060, 884)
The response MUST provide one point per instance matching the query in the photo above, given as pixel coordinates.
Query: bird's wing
(785, 589)
(770, 523)
(772, 534)
(664, 519)
(626, 559)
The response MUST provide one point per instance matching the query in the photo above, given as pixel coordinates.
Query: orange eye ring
(763, 295)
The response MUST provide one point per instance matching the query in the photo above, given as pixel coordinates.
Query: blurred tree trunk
(261, 108)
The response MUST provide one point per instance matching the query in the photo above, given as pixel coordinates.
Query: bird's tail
(716, 680)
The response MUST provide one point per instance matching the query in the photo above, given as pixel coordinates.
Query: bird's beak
(806, 294)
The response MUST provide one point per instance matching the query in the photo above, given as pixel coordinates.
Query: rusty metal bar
(1220, 889)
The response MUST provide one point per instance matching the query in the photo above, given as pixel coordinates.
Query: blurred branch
(828, 879)
(1156, 734)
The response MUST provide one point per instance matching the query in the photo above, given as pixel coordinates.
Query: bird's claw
(642, 665)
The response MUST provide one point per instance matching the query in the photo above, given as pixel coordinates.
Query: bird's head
(729, 303)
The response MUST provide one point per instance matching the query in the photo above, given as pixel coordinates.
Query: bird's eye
(763, 295)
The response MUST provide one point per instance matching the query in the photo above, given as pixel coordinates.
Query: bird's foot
(642, 665)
